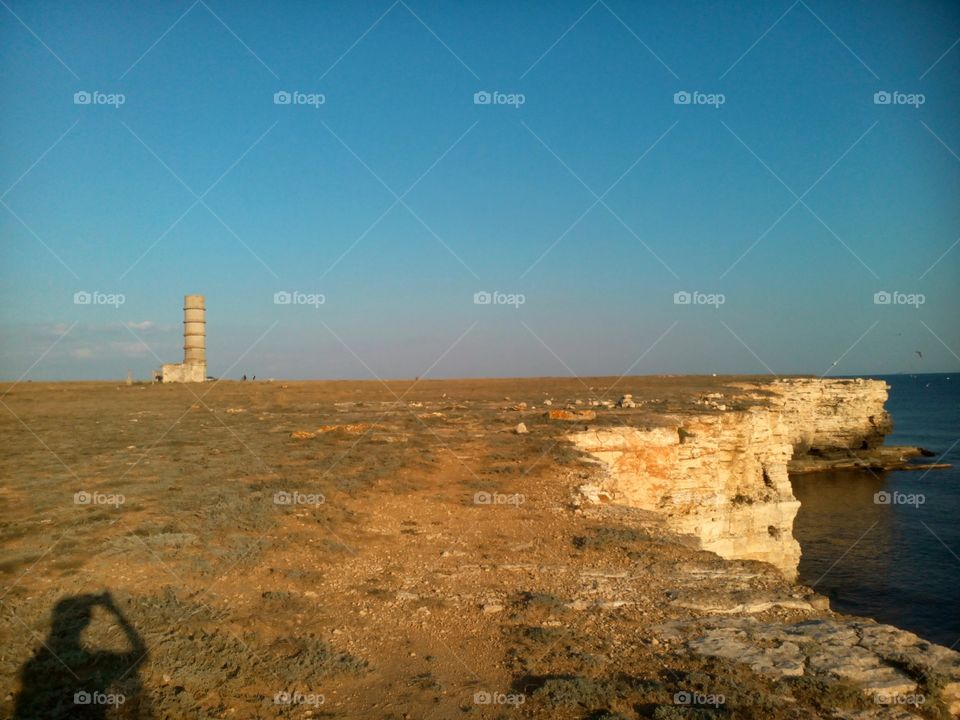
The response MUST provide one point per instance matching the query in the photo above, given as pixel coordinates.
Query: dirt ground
(349, 550)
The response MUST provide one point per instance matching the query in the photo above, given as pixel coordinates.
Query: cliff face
(721, 474)
(824, 415)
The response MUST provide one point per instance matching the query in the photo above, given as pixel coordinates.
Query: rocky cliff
(822, 415)
(721, 473)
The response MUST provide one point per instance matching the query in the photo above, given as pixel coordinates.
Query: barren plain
(392, 550)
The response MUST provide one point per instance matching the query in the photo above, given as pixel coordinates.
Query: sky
(636, 188)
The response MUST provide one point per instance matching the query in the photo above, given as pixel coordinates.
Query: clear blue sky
(104, 198)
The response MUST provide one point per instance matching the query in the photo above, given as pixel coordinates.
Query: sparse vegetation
(397, 588)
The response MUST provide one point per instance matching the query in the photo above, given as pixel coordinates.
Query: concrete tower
(194, 365)
(194, 331)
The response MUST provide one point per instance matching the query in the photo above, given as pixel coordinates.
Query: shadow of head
(72, 615)
(67, 679)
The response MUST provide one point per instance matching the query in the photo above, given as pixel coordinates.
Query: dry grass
(371, 591)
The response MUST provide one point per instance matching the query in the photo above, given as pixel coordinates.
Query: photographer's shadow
(65, 679)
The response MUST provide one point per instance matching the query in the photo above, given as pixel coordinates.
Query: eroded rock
(721, 473)
(887, 664)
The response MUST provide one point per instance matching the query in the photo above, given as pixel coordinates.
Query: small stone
(521, 429)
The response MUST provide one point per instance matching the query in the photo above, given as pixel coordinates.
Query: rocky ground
(400, 550)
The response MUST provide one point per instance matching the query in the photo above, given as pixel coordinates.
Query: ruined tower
(194, 365)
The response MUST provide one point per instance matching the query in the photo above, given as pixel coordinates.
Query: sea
(886, 545)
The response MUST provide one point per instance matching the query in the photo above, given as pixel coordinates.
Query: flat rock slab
(886, 663)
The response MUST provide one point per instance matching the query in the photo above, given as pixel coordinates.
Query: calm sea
(900, 562)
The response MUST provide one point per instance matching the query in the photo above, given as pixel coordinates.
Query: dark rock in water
(877, 458)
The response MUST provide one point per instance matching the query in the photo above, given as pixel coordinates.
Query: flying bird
(919, 354)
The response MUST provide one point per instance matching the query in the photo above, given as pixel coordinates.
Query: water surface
(900, 562)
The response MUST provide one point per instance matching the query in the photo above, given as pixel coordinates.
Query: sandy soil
(376, 584)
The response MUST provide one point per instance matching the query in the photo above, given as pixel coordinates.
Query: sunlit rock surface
(721, 473)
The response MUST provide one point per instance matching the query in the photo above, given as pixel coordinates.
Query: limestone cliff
(824, 415)
(720, 473)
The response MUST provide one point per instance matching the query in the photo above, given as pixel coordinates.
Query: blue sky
(597, 199)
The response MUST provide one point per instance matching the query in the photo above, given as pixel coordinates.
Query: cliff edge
(721, 473)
